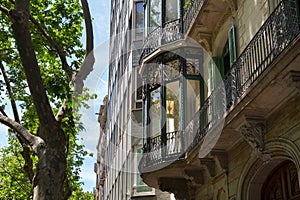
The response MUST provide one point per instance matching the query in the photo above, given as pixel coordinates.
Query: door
(282, 184)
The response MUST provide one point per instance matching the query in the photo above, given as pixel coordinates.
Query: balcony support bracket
(221, 157)
(293, 79)
(253, 130)
(196, 176)
(210, 165)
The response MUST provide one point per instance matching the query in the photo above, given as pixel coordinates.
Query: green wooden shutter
(216, 71)
(232, 45)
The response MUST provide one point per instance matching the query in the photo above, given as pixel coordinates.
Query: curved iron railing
(162, 35)
(272, 38)
(191, 13)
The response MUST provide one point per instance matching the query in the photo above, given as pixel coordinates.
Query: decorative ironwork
(272, 38)
(152, 42)
(170, 32)
(173, 144)
(191, 13)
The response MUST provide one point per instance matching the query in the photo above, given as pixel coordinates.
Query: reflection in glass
(139, 19)
(155, 112)
(192, 99)
(155, 13)
(172, 10)
(172, 107)
(171, 69)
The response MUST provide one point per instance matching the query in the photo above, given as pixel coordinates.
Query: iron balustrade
(152, 42)
(173, 144)
(157, 151)
(272, 38)
(190, 13)
(171, 31)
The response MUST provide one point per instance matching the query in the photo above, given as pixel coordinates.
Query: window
(140, 187)
(139, 20)
(172, 10)
(172, 107)
(155, 14)
(139, 84)
(193, 99)
(155, 112)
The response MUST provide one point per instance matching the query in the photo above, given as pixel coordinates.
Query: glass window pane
(155, 13)
(171, 69)
(139, 20)
(155, 112)
(141, 186)
(172, 107)
(172, 10)
(192, 99)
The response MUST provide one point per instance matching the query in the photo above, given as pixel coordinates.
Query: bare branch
(28, 167)
(61, 53)
(34, 141)
(89, 60)
(10, 93)
(3, 112)
(4, 9)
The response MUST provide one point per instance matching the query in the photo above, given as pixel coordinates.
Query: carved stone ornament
(293, 79)
(254, 130)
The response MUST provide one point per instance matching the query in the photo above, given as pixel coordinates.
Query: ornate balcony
(279, 32)
(162, 35)
(180, 28)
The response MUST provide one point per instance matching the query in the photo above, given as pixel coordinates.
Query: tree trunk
(48, 182)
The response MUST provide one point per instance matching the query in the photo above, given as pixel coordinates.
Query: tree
(43, 68)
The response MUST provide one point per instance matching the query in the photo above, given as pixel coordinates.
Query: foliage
(80, 195)
(55, 30)
(13, 182)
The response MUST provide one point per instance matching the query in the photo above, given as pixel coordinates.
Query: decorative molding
(205, 39)
(196, 175)
(210, 165)
(232, 6)
(180, 187)
(222, 158)
(292, 79)
(253, 131)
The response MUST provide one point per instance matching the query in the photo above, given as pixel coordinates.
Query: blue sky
(97, 83)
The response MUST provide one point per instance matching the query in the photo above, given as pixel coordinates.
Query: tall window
(140, 186)
(172, 10)
(155, 112)
(155, 14)
(193, 98)
(139, 19)
(172, 106)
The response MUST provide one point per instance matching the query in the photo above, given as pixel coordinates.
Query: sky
(97, 84)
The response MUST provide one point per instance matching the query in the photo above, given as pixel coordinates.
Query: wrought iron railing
(272, 38)
(190, 13)
(169, 32)
(158, 150)
(173, 144)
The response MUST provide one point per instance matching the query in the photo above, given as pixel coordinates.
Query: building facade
(120, 142)
(221, 103)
